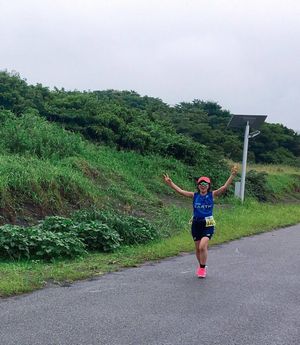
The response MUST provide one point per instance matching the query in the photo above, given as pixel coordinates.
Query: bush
(50, 245)
(98, 236)
(135, 230)
(95, 235)
(15, 242)
(256, 185)
(58, 237)
(57, 224)
(132, 230)
(34, 243)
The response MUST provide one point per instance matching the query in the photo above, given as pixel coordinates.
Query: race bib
(209, 221)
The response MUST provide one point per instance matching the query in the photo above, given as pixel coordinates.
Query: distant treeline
(125, 120)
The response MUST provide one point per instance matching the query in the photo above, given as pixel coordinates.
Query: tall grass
(46, 166)
(28, 180)
(274, 169)
(31, 135)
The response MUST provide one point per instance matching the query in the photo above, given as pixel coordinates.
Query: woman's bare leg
(203, 250)
(197, 250)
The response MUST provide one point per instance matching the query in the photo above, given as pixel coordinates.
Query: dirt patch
(29, 214)
(90, 171)
(180, 201)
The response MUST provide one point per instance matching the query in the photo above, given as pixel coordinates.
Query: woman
(203, 221)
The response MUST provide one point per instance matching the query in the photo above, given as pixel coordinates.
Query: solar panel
(255, 121)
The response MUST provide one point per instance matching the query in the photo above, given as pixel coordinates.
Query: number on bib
(209, 221)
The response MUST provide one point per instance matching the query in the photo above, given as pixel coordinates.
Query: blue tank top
(203, 205)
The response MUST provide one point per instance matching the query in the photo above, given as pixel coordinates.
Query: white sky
(245, 55)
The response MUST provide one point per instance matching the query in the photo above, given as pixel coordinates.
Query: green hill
(47, 170)
(125, 120)
(107, 150)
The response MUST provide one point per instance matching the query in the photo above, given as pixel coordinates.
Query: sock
(202, 266)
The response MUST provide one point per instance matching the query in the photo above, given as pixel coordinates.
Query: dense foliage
(112, 118)
(59, 237)
(18, 242)
(126, 120)
(206, 123)
(132, 230)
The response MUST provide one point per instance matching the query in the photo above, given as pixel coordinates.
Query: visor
(203, 178)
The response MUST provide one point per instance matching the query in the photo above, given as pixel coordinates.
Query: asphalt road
(250, 296)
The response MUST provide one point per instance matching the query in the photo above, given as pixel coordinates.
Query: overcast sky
(245, 55)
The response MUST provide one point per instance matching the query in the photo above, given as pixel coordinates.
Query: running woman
(203, 224)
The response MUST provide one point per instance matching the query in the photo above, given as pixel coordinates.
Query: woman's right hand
(167, 179)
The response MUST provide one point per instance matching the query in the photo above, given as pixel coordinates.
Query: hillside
(62, 151)
(47, 170)
(125, 120)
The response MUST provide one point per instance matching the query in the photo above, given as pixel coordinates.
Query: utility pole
(239, 121)
(244, 164)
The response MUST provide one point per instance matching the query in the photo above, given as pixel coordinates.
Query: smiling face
(203, 187)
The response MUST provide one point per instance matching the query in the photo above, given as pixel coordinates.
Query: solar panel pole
(238, 121)
(244, 164)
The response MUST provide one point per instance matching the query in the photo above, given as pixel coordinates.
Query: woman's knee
(203, 246)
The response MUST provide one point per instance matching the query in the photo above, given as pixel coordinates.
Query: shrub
(33, 242)
(98, 236)
(50, 245)
(58, 237)
(95, 235)
(132, 230)
(15, 242)
(256, 185)
(57, 224)
(135, 230)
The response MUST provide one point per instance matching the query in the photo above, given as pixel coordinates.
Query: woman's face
(203, 187)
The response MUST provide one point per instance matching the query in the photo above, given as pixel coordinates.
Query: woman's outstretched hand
(167, 179)
(234, 170)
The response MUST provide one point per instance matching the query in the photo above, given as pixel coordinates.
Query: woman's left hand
(234, 170)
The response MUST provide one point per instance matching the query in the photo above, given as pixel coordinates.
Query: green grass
(233, 222)
(281, 184)
(100, 176)
(274, 169)
(252, 218)
(282, 181)
(44, 166)
(42, 183)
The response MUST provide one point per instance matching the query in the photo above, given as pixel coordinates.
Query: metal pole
(245, 151)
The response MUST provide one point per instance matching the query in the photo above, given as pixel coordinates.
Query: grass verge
(233, 222)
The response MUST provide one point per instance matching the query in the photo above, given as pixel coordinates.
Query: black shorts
(199, 230)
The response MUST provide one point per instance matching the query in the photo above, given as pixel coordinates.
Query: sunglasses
(204, 184)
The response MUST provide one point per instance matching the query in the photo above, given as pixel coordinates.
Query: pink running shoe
(201, 272)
